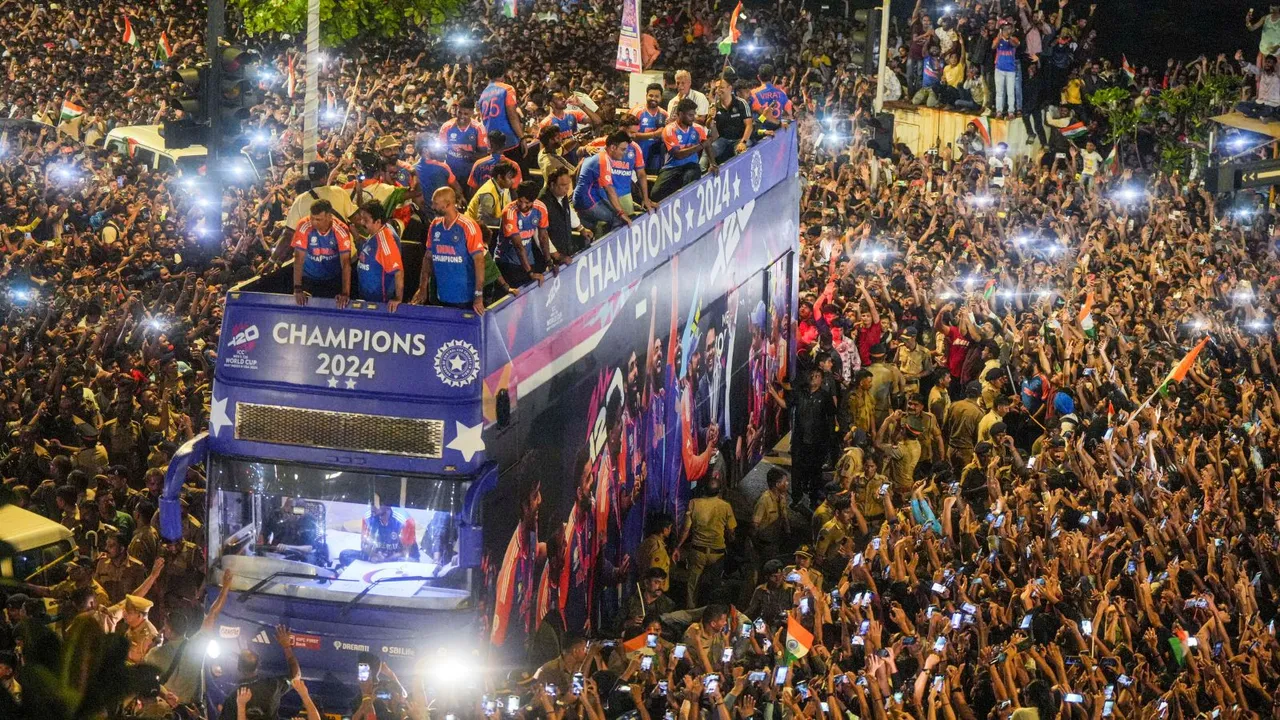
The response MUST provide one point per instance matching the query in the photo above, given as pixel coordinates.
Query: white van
(145, 144)
(41, 549)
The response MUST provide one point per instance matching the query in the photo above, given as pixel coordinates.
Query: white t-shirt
(999, 168)
(339, 198)
(704, 107)
(1092, 161)
(1270, 36)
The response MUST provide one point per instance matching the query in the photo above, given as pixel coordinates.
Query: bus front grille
(339, 430)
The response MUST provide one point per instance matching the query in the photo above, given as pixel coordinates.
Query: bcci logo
(244, 338)
(457, 363)
(757, 171)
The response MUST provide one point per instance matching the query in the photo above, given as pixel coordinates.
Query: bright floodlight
(1239, 142)
(1128, 194)
(461, 40)
(982, 200)
(331, 115)
(1258, 325)
(213, 649)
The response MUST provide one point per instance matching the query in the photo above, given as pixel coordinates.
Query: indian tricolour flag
(1075, 130)
(1128, 70)
(727, 42)
(70, 111)
(164, 50)
(1109, 165)
(799, 640)
(291, 83)
(1179, 373)
(130, 37)
(508, 8)
(1086, 316)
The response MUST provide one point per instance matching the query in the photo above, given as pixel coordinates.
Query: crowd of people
(1009, 491)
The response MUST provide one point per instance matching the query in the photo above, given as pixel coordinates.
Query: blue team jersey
(518, 227)
(462, 145)
(592, 182)
(482, 170)
(649, 121)
(624, 170)
(676, 137)
(494, 101)
(451, 247)
(377, 265)
(772, 104)
(433, 175)
(323, 259)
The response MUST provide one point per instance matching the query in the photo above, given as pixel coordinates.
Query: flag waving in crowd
(129, 37)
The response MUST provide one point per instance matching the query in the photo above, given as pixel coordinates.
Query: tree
(344, 20)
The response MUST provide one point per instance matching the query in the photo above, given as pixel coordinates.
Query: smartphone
(711, 683)
(1132, 567)
(955, 620)
(940, 589)
(1086, 627)
(1109, 692)
(490, 708)
(577, 683)
(1026, 622)
(909, 640)
(362, 672)
(754, 676)
(1124, 680)
(884, 488)
(970, 608)
(727, 656)
(835, 599)
(793, 577)
(549, 689)
(937, 682)
(662, 687)
(646, 663)
(1107, 435)
(802, 689)
(804, 605)
(862, 629)
(678, 653)
(651, 641)
(513, 704)
(825, 707)
(1109, 705)
(875, 543)
(780, 675)
(1076, 698)
(1031, 461)
(760, 626)
(940, 644)
(745, 632)
(1193, 641)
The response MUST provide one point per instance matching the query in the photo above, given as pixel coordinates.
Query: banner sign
(419, 353)
(628, 59)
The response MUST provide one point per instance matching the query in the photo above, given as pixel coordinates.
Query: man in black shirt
(264, 703)
(812, 410)
(732, 118)
(562, 220)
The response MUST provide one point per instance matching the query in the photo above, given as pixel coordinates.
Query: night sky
(1151, 31)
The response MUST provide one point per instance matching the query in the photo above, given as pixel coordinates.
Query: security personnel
(804, 562)
(494, 195)
(455, 256)
(117, 572)
(79, 575)
(708, 528)
(322, 256)
(183, 572)
(379, 269)
(832, 553)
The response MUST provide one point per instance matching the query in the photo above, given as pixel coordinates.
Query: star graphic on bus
(467, 441)
(351, 384)
(218, 417)
(333, 382)
(456, 363)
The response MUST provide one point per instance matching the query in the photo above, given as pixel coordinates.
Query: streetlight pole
(884, 55)
(311, 104)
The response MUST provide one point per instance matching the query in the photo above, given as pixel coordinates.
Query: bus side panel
(620, 432)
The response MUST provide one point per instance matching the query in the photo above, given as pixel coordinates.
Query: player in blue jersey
(498, 109)
(379, 269)
(322, 256)
(465, 140)
(594, 197)
(454, 257)
(685, 139)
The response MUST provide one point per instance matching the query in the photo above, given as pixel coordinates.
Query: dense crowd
(997, 504)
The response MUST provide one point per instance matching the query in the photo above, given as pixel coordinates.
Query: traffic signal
(191, 98)
(238, 93)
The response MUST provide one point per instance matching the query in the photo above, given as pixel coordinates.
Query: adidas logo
(262, 638)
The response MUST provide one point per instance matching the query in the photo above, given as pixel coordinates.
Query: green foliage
(342, 21)
(1123, 118)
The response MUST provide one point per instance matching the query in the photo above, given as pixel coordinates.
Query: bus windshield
(329, 534)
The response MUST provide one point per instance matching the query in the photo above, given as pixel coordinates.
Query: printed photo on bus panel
(642, 421)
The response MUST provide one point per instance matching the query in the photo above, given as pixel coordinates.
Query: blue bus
(419, 487)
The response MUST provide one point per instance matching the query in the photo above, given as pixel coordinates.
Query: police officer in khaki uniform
(183, 572)
(804, 562)
(708, 529)
(833, 551)
(117, 572)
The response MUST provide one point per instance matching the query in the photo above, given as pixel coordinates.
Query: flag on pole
(727, 42)
(509, 8)
(1128, 70)
(1075, 130)
(635, 644)
(291, 82)
(1086, 316)
(799, 640)
(70, 111)
(164, 50)
(130, 37)
(989, 289)
(1179, 373)
(1109, 165)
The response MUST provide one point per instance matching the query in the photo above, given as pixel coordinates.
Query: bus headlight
(213, 649)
